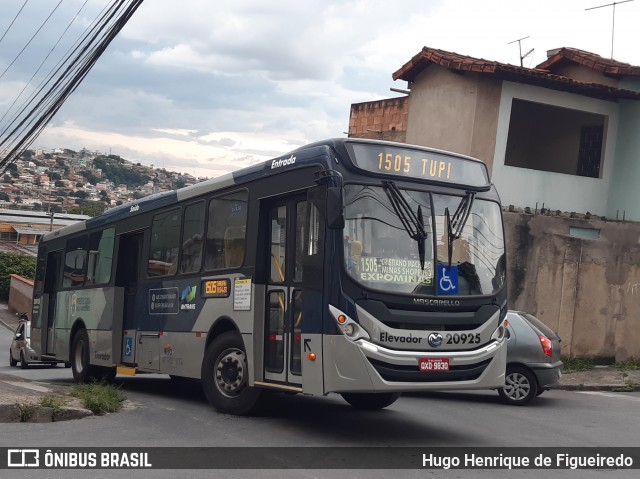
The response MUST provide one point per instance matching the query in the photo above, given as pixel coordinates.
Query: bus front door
(283, 327)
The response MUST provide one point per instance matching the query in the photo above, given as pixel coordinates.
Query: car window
(540, 326)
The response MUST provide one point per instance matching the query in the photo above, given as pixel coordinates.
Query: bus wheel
(225, 376)
(80, 357)
(370, 401)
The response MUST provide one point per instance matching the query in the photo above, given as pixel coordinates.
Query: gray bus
(357, 267)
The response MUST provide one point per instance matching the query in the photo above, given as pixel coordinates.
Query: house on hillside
(563, 134)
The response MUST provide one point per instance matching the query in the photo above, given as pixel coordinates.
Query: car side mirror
(19, 336)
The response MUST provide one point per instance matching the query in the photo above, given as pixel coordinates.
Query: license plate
(430, 365)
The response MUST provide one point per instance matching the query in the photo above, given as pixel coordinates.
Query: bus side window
(165, 239)
(75, 263)
(226, 231)
(100, 256)
(192, 233)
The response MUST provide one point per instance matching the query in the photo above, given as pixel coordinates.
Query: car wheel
(520, 386)
(23, 361)
(12, 362)
(370, 401)
(225, 376)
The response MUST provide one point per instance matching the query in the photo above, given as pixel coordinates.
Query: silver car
(20, 350)
(533, 359)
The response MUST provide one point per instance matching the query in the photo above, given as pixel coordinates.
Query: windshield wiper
(456, 224)
(413, 223)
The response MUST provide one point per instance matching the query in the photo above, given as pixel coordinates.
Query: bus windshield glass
(380, 254)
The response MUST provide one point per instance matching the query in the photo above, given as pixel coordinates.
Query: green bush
(99, 398)
(14, 263)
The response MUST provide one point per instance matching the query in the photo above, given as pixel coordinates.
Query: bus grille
(393, 372)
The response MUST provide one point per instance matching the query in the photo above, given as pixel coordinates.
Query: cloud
(198, 82)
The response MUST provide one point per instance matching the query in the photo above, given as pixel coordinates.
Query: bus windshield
(380, 254)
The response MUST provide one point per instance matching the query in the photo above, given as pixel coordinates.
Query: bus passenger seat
(233, 246)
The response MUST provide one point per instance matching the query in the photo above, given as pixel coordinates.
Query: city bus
(350, 266)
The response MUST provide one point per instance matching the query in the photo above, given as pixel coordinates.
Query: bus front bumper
(362, 366)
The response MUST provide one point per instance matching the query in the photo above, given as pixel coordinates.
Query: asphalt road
(164, 412)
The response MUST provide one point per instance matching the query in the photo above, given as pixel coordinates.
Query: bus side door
(286, 218)
(293, 310)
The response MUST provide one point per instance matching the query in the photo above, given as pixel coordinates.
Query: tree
(80, 194)
(59, 184)
(4, 196)
(55, 176)
(21, 264)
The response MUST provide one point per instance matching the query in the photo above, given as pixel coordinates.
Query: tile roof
(606, 66)
(532, 76)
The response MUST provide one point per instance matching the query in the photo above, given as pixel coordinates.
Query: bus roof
(307, 154)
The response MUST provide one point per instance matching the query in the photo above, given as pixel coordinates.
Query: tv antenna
(519, 40)
(613, 17)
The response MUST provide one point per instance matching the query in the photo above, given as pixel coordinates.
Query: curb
(597, 387)
(12, 413)
(7, 326)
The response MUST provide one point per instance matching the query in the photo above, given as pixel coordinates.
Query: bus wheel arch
(222, 325)
(80, 358)
(225, 375)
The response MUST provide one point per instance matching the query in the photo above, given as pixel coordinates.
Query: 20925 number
(462, 338)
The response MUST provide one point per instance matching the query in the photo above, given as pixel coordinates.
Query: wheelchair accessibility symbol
(128, 346)
(447, 279)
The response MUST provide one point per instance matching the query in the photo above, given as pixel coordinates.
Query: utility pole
(613, 18)
(522, 57)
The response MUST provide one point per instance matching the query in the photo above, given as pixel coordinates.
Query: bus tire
(225, 376)
(80, 357)
(370, 401)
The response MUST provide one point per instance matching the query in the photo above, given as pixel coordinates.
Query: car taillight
(546, 345)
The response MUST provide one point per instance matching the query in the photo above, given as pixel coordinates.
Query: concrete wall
(586, 290)
(525, 187)
(20, 294)
(454, 112)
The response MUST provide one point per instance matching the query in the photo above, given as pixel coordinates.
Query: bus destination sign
(419, 164)
(216, 288)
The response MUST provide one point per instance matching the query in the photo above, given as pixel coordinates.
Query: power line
(14, 19)
(88, 52)
(43, 61)
(31, 39)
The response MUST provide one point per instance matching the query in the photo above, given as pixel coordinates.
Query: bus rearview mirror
(335, 216)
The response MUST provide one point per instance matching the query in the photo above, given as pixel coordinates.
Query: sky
(209, 86)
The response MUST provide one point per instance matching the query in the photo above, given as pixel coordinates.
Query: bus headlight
(348, 326)
(498, 334)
